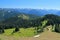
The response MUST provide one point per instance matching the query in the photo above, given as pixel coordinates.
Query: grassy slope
(22, 33)
(47, 35)
(25, 32)
(44, 22)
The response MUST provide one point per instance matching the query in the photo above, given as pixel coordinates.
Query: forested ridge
(24, 21)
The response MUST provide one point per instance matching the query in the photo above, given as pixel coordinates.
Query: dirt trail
(44, 36)
(47, 35)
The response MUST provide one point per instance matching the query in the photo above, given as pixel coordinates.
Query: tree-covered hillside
(25, 21)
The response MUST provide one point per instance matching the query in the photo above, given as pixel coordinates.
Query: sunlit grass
(23, 32)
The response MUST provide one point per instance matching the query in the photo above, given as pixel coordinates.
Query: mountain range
(6, 13)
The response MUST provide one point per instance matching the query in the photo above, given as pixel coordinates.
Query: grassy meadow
(21, 33)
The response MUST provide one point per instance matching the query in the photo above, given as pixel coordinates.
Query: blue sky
(35, 4)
